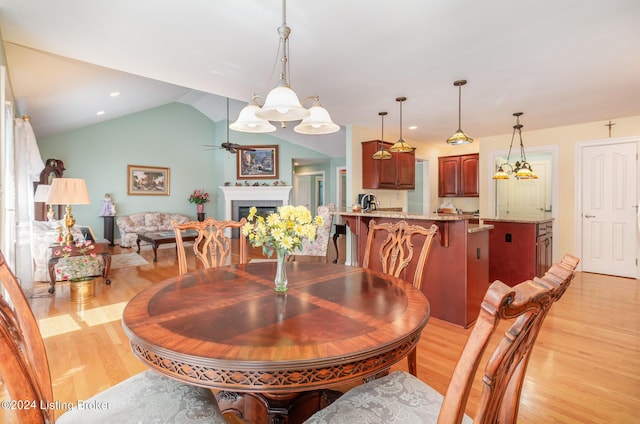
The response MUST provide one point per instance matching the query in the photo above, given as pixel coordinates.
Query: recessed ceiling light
(100, 112)
(115, 94)
(413, 127)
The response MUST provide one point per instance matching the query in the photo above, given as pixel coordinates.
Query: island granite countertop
(395, 214)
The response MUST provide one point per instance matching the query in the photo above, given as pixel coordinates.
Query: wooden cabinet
(397, 173)
(519, 251)
(458, 176)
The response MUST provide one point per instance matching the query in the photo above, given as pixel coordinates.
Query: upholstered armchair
(318, 247)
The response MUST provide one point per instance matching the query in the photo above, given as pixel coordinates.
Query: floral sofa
(145, 222)
(45, 234)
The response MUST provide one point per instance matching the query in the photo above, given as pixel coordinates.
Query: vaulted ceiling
(560, 62)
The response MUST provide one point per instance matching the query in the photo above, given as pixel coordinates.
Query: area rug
(127, 259)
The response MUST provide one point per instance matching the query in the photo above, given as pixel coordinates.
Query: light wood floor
(585, 367)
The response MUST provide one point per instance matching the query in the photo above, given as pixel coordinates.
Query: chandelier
(522, 168)
(282, 103)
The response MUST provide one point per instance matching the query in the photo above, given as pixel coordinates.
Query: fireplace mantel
(232, 193)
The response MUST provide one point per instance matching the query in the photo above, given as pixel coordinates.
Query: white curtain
(8, 213)
(28, 165)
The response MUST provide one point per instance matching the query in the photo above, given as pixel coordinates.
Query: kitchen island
(456, 274)
(522, 248)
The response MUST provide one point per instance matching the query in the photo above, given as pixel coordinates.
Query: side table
(101, 248)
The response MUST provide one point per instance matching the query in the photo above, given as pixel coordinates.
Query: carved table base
(262, 408)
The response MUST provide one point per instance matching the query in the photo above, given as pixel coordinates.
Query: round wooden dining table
(274, 357)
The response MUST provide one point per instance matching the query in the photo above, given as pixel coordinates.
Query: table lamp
(42, 195)
(68, 191)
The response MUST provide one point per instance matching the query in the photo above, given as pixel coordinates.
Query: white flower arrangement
(282, 231)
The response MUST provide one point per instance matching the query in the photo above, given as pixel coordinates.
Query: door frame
(311, 182)
(580, 146)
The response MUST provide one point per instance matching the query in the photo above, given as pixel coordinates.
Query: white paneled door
(609, 209)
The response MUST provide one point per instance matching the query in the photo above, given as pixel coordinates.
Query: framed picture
(257, 162)
(147, 180)
(87, 232)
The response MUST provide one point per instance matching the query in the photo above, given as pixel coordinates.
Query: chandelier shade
(318, 121)
(401, 146)
(382, 154)
(459, 137)
(282, 105)
(248, 121)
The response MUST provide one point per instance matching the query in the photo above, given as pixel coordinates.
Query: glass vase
(200, 208)
(281, 272)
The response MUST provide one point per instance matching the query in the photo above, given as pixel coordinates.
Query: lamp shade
(282, 105)
(459, 137)
(42, 193)
(248, 121)
(318, 121)
(69, 191)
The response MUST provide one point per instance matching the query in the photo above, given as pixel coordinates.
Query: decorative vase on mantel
(281, 272)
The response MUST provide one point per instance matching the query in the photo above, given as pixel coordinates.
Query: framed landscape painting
(257, 162)
(147, 180)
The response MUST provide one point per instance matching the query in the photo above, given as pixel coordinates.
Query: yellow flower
(282, 231)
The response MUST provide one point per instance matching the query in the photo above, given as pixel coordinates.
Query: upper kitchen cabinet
(458, 176)
(398, 173)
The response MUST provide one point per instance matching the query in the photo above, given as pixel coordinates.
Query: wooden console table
(101, 248)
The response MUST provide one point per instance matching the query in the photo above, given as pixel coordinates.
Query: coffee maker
(368, 202)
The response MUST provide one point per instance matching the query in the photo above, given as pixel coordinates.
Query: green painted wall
(170, 136)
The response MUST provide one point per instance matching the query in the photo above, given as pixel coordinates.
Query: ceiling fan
(227, 145)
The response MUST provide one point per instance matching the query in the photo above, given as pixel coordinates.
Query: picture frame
(87, 233)
(148, 180)
(257, 162)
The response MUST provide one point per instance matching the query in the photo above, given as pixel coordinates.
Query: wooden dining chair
(396, 253)
(212, 247)
(24, 372)
(401, 397)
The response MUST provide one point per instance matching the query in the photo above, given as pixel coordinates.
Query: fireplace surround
(238, 200)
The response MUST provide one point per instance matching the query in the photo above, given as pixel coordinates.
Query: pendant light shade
(318, 121)
(459, 137)
(382, 154)
(248, 121)
(282, 105)
(522, 169)
(401, 146)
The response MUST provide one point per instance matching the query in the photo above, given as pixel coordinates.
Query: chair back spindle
(212, 247)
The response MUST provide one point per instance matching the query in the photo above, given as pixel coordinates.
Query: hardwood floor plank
(585, 367)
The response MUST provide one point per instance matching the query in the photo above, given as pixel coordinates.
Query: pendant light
(459, 137)
(248, 121)
(522, 169)
(401, 146)
(382, 153)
